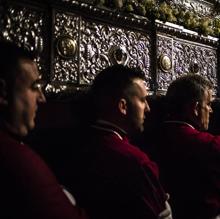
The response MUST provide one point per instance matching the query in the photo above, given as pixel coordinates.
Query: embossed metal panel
(96, 44)
(65, 69)
(97, 41)
(26, 26)
(74, 40)
(186, 57)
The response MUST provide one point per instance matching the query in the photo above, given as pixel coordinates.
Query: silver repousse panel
(65, 69)
(187, 57)
(25, 27)
(97, 42)
(164, 47)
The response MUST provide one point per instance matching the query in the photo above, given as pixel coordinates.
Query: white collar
(179, 122)
(104, 122)
(108, 129)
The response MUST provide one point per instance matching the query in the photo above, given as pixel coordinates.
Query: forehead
(208, 95)
(140, 85)
(28, 70)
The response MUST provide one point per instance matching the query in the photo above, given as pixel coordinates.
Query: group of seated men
(108, 176)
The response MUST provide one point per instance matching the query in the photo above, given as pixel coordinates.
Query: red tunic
(189, 162)
(28, 189)
(117, 180)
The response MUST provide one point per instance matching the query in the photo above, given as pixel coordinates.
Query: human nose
(210, 110)
(147, 107)
(41, 98)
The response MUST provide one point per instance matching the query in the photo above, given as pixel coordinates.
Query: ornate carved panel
(25, 25)
(101, 42)
(66, 26)
(186, 57)
(165, 47)
(201, 59)
(75, 39)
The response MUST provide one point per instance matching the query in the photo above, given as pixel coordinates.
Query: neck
(10, 132)
(14, 130)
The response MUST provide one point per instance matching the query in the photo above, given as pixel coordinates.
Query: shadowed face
(27, 94)
(137, 106)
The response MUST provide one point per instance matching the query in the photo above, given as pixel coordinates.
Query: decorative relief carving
(118, 55)
(187, 57)
(66, 32)
(66, 47)
(194, 67)
(25, 27)
(164, 47)
(165, 63)
(190, 57)
(97, 41)
(83, 47)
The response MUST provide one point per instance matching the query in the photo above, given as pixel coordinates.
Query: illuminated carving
(66, 47)
(165, 63)
(118, 55)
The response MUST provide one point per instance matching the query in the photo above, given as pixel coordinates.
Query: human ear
(196, 108)
(122, 106)
(3, 93)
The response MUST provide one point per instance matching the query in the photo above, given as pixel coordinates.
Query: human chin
(142, 128)
(31, 124)
(204, 126)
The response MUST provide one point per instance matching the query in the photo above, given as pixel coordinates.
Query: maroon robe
(117, 180)
(28, 189)
(189, 162)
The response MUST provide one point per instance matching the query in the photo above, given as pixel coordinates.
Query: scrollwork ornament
(198, 59)
(102, 45)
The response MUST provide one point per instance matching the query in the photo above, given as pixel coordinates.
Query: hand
(167, 212)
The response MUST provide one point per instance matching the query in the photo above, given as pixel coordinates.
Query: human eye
(39, 84)
(143, 99)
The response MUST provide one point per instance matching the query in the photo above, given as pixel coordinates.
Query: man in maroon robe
(117, 180)
(189, 157)
(28, 189)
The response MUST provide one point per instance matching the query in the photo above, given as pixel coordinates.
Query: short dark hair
(184, 90)
(10, 55)
(114, 82)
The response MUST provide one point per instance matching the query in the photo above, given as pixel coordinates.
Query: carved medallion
(165, 63)
(194, 67)
(66, 47)
(118, 55)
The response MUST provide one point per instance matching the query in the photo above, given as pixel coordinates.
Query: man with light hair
(188, 156)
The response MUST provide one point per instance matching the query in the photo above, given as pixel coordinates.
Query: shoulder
(19, 160)
(187, 138)
(131, 156)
